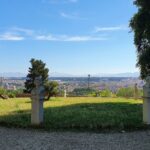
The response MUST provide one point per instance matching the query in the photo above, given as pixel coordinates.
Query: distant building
(6, 86)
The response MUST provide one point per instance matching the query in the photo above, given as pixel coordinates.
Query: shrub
(105, 93)
(125, 92)
(2, 91)
(11, 94)
(82, 92)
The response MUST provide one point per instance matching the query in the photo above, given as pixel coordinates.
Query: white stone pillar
(65, 92)
(146, 101)
(37, 112)
(37, 96)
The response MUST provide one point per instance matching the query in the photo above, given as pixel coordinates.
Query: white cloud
(84, 38)
(11, 37)
(115, 28)
(18, 34)
(73, 16)
(46, 38)
(66, 38)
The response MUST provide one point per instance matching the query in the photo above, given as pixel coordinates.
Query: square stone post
(146, 101)
(65, 91)
(37, 112)
(37, 97)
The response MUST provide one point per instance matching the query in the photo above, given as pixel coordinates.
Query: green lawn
(76, 113)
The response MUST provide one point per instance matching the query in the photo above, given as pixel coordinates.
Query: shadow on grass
(85, 117)
(50, 100)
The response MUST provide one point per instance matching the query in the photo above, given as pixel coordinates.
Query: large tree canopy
(37, 69)
(140, 24)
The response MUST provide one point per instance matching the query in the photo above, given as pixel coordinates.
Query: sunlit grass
(76, 113)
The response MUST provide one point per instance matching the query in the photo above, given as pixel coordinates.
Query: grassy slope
(76, 113)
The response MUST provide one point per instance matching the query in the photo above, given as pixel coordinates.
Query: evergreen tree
(37, 69)
(140, 24)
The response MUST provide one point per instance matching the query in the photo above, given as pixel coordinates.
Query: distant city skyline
(74, 37)
(58, 74)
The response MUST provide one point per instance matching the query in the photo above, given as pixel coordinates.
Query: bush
(140, 92)
(126, 92)
(105, 93)
(10, 93)
(2, 91)
(82, 92)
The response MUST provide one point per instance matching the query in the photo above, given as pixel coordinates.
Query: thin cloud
(19, 34)
(11, 37)
(24, 30)
(60, 1)
(73, 16)
(116, 28)
(66, 38)
(73, 1)
(16, 34)
(84, 38)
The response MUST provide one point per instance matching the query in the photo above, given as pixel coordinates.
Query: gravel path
(18, 139)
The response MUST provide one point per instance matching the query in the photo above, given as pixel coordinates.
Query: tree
(140, 24)
(51, 89)
(37, 69)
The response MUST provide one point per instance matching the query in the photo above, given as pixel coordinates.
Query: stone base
(146, 111)
(37, 112)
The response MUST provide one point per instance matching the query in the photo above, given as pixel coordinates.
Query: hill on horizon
(57, 74)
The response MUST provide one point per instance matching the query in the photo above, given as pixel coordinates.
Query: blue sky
(70, 36)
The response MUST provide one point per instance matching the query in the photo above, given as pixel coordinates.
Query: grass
(76, 113)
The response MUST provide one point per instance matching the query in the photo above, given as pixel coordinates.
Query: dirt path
(18, 139)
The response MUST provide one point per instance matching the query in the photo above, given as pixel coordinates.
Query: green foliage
(105, 93)
(125, 92)
(129, 92)
(82, 92)
(60, 92)
(19, 91)
(140, 24)
(95, 94)
(2, 91)
(37, 69)
(51, 88)
(90, 92)
(140, 92)
(10, 93)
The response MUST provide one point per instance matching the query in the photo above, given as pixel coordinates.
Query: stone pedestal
(146, 110)
(37, 112)
(146, 101)
(65, 93)
(37, 96)
(136, 91)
